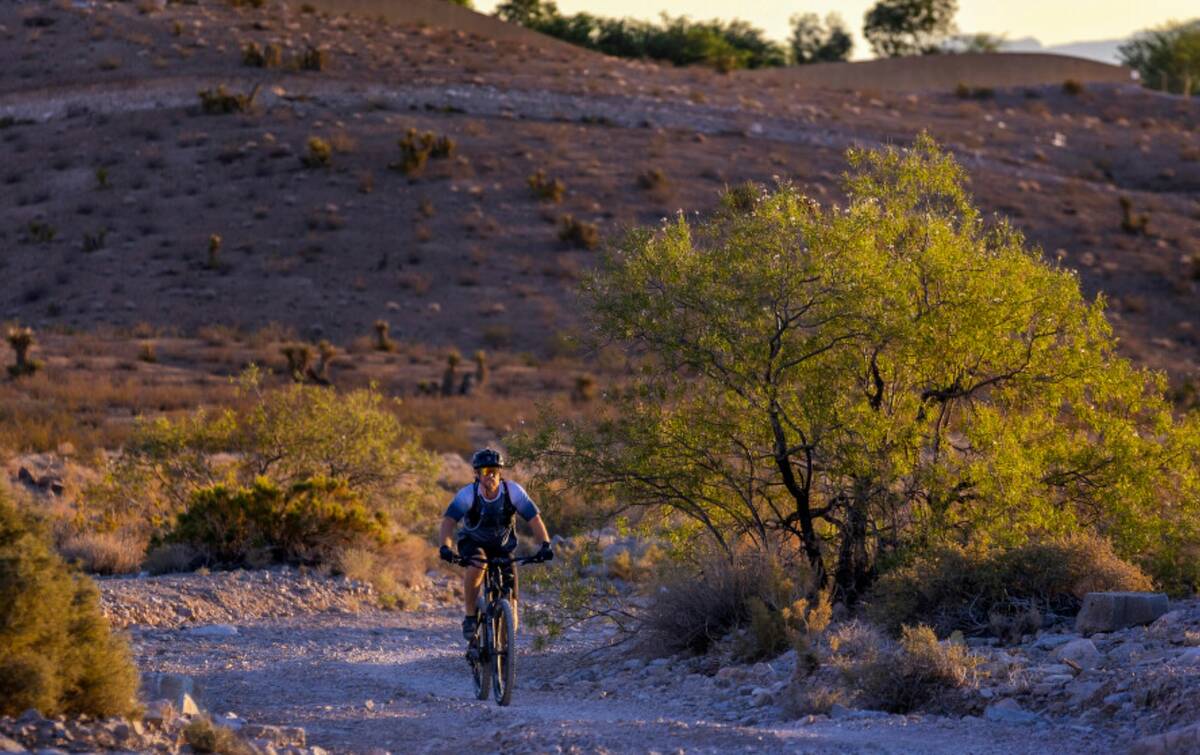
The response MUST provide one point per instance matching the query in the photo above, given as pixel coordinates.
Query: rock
(1009, 711)
(1189, 657)
(188, 705)
(1184, 741)
(1082, 653)
(159, 713)
(760, 696)
(1081, 690)
(1110, 611)
(178, 689)
(1052, 641)
(10, 745)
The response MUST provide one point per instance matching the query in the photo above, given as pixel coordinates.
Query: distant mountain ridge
(1103, 50)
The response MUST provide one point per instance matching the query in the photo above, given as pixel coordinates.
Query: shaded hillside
(115, 179)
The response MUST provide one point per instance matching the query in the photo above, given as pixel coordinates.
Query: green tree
(886, 375)
(57, 653)
(974, 43)
(529, 13)
(896, 28)
(1166, 58)
(815, 42)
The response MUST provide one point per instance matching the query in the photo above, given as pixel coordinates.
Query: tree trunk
(853, 573)
(808, 535)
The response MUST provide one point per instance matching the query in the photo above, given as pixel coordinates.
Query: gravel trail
(398, 682)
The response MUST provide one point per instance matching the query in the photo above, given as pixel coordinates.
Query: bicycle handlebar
(497, 560)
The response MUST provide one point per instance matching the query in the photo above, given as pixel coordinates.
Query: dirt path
(398, 682)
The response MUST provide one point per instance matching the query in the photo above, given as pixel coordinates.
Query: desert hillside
(118, 176)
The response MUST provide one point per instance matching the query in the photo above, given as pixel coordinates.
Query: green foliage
(547, 189)
(1167, 57)
(287, 434)
(893, 372)
(57, 653)
(722, 45)
(815, 42)
(897, 28)
(310, 522)
(956, 588)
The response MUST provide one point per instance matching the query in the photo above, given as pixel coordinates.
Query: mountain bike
(492, 651)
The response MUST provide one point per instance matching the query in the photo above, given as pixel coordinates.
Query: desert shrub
(691, 612)
(313, 59)
(104, 552)
(57, 653)
(383, 342)
(578, 232)
(392, 569)
(219, 101)
(1131, 222)
(287, 434)
(21, 340)
(652, 179)
(170, 558)
(1072, 87)
(40, 232)
(547, 189)
(308, 522)
(205, 736)
(918, 673)
(416, 148)
(1166, 57)
(964, 588)
(270, 56)
(318, 153)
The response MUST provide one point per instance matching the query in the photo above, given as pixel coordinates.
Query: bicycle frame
(492, 653)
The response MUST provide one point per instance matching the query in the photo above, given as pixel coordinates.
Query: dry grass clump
(57, 653)
(918, 673)
(691, 612)
(219, 101)
(965, 588)
(416, 149)
(104, 552)
(205, 736)
(578, 233)
(392, 571)
(21, 341)
(318, 153)
(546, 189)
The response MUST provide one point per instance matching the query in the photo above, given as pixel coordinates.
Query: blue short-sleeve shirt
(521, 501)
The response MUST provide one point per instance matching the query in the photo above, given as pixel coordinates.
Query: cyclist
(487, 509)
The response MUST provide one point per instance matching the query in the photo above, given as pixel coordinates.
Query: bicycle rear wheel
(504, 639)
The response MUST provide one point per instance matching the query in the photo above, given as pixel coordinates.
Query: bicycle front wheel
(504, 649)
(482, 663)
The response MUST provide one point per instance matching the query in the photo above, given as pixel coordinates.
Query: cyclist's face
(489, 479)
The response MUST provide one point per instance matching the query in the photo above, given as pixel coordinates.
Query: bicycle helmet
(487, 457)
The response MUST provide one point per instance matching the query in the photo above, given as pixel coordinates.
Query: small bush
(1130, 222)
(308, 523)
(652, 179)
(964, 92)
(205, 736)
(104, 552)
(691, 612)
(172, 558)
(221, 102)
(318, 153)
(95, 241)
(40, 232)
(920, 673)
(383, 342)
(57, 653)
(21, 340)
(577, 232)
(270, 56)
(416, 148)
(546, 189)
(1072, 87)
(314, 59)
(962, 588)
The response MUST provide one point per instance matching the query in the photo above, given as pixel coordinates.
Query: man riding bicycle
(487, 509)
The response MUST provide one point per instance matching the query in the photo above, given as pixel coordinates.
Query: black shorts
(470, 546)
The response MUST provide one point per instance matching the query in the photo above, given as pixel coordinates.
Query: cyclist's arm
(539, 530)
(446, 535)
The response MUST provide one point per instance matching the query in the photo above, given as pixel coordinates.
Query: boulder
(1009, 711)
(1110, 611)
(1182, 741)
(1081, 653)
(10, 745)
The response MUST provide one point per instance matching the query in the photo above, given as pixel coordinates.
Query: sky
(1052, 22)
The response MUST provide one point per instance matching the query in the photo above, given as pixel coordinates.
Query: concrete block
(1110, 611)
